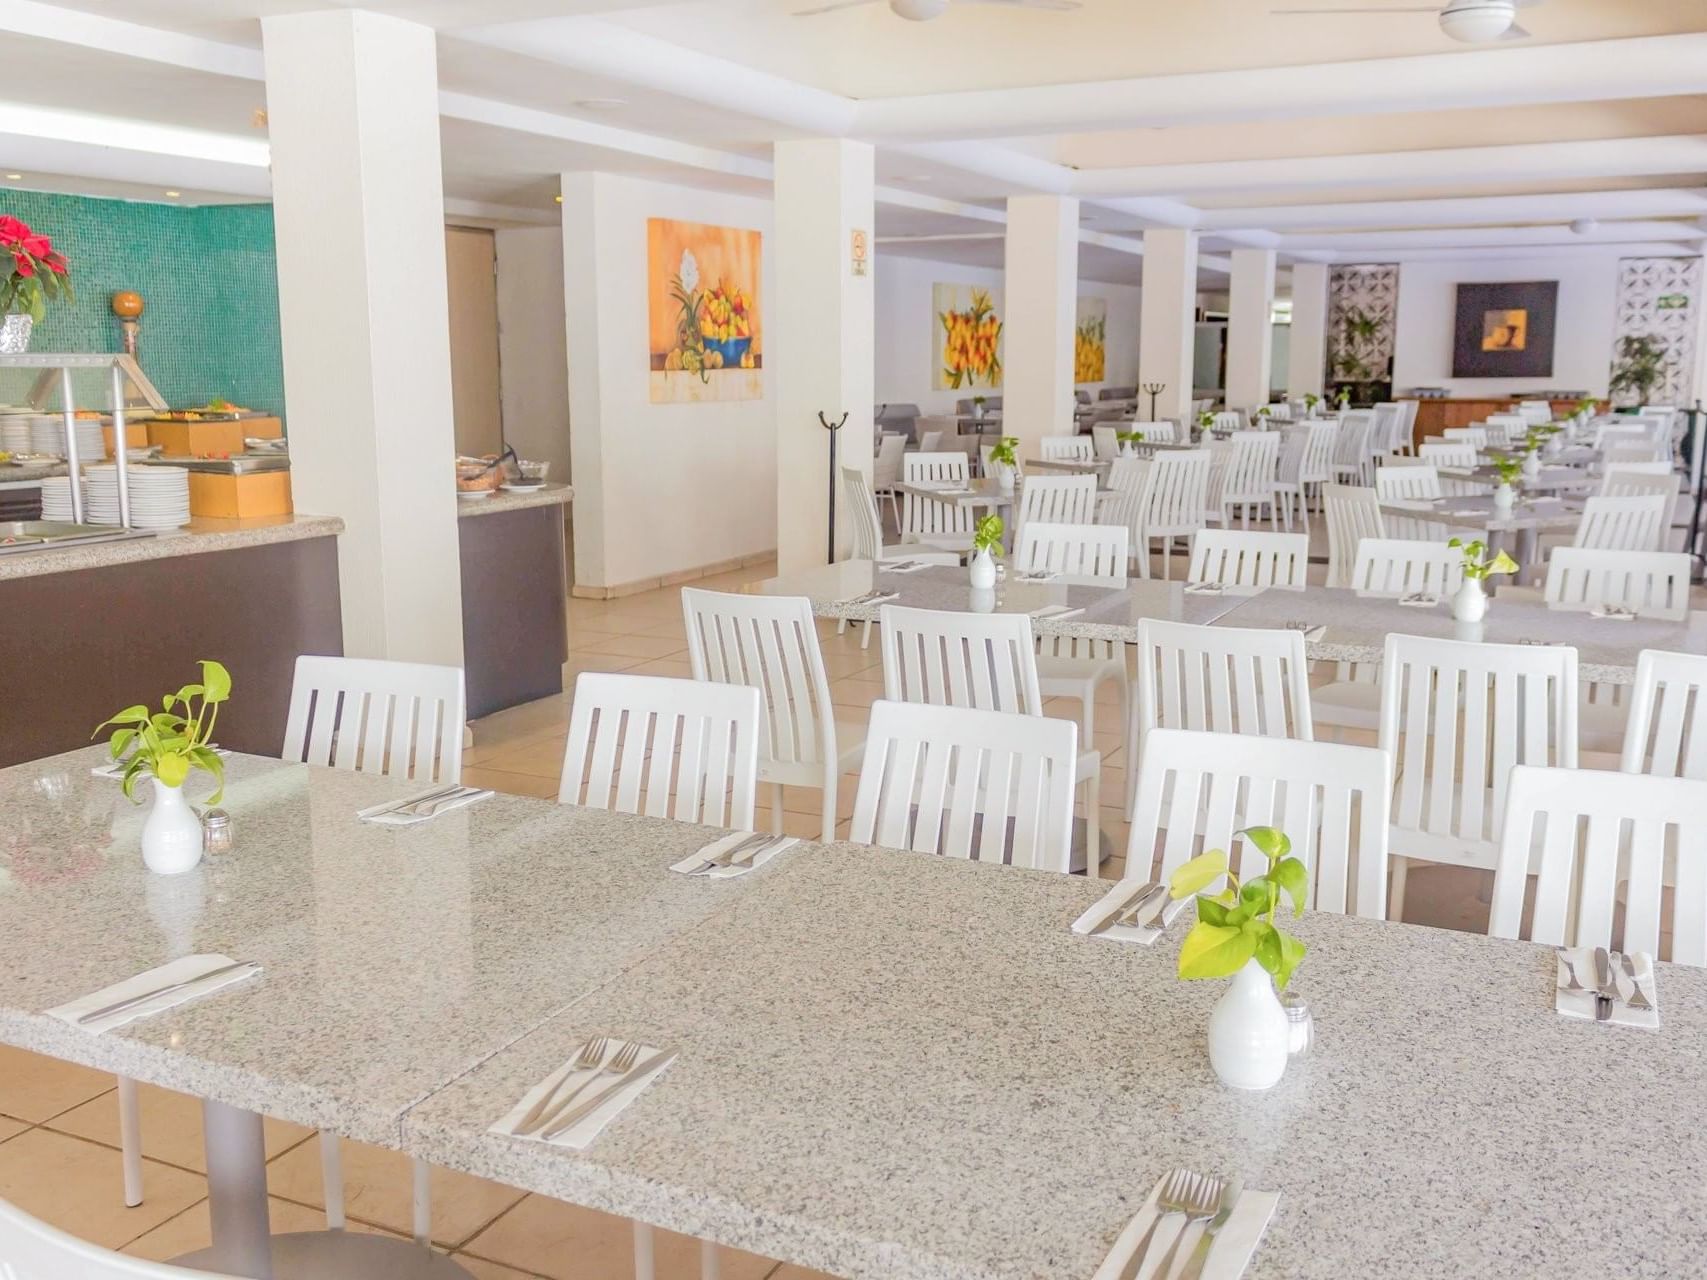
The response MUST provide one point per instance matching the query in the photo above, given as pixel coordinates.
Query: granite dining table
(890, 1065)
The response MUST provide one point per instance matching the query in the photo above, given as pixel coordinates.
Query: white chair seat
(850, 750)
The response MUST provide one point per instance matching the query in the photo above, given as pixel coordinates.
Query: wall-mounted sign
(861, 252)
(1672, 302)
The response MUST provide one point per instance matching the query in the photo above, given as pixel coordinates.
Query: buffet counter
(1435, 415)
(83, 627)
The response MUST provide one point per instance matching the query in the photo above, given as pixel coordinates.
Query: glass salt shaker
(1300, 1026)
(216, 832)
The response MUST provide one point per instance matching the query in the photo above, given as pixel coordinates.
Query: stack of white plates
(15, 434)
(47, 435)
(159, 496)
(56, 499)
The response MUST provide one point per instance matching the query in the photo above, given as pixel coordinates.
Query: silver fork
(592, 1053)
(618, 1065)
(1203, 1202)
(412, 807)
(1637, 999)
(728, 856)
(1170, 1199)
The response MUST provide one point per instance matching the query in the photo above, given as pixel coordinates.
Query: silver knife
(133, 1001)
(1124, 905)
(1637, 999)
(1200, 1255)
(576, 1114)
(408, 803)
(1150, 911)
(723, 859)
(1608, 990)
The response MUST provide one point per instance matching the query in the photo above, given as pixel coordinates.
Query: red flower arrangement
(39, 271)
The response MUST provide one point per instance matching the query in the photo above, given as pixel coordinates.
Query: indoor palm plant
(1471, 602)
(39, 275)
(986, 546)
(1642, 363)
(166, 746)
(1236, 936)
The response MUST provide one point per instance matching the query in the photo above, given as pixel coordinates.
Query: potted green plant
(1505, 494)
(1004, 463)
(986, 546)
(1260, 418)
(1236, 936)
(166, 746)
(1345, 398)
(1206, 421)
(1126, 440)
(39, 275)
(978, 403)
(1311, 400)
(1642, 363)
(1470, 604)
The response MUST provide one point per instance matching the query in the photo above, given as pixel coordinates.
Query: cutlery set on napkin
(901, 566)
(734, 855)
(1313, 631)
(154, 991)
(422, 805)
(1203, 588)
(1420, 600)
(875, 596)
(1600, 984)
(1132, 911)
(1191, 1227)
(1056, 612)
(1614, 613)
(572, 1105)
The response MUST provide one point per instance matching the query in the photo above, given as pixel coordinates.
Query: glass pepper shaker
(216, 832)
(1300, 1026)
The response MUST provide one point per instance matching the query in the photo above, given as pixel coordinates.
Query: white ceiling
(1370, 137)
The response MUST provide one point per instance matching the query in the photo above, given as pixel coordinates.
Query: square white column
(1167, 328)
(1250, 328)
(353, 116)
(824, 338)
(1041, 286)
(1308, 358)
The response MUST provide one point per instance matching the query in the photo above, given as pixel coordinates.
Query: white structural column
(1039, 310)
(1308, 358)
(352, 104)
(1250, 328)
(824, 336)
(1167, 329)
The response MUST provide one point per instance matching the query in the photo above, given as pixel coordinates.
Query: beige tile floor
(58, 1123)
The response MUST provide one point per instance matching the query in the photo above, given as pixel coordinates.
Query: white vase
(1004, 477)
(983, 600)
(1504, 496)
(1531, 465)
(172, 836)
(1248, 1033)
(1470, 604)
(983, 571)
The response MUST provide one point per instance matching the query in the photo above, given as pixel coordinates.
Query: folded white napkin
(1125, 891)
(1613, 613)
(386, 814)
(1229, 1255)
(901, 566)
(591, 1125)
(694, 863)
(1203, 588)
(1055, 611)
(184, 969)
(1041, 575)
(1580, 1004)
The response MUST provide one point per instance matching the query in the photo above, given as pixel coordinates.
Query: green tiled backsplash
(209, 284)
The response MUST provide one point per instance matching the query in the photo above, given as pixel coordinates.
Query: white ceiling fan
(1472, 21)
(925, 10)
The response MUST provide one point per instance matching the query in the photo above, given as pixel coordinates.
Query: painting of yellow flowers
(703, 289)
(1090, 341)
(966, 338)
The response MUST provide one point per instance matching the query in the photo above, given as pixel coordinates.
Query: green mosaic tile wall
(208, 277)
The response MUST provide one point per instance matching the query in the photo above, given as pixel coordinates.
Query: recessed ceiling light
(173, 195)
(601, 104)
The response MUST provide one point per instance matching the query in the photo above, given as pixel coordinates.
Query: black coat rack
(833, 428)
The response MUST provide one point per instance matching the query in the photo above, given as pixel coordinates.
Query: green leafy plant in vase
(1206, 421)
(1004, 462)
(166, 746)
(1311, 400)
(1511, 473)
(986, 546)
(1126, 441)
(1237, 935)
(1470, 604)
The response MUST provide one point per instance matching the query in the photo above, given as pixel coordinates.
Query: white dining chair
(1625, 524)
(1666, 734)
(1384, 429)
(1077, 550)
(396, 719)
(1353, 513)
(1067, 449)
(868, 538)
(1161, 431)
(1621, 454)
(1317, 467)
(930, 441)
(1351, 453)
(1250, 558)
(1637, 479)
(1654, 583)
(30, 1249)
(1057, 500)
(1289, 488)
(1176, 504)
(1582, 833)
(1105, 442)
(991, 786)
(663, 747)
(1330, 799)
(986, 661)
(771, 643)
(1456, 715)
(934, 520)
(1250, 471)
(1417, 482)
(886, 472)
(1249, 680)
(1447, 454)
(1476, 436)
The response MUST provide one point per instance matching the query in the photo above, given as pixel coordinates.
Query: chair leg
(709, 1265)
(423, 1206)
(865, 640)
(1093, 825)
(827, 831)
(776, 808)
(332, 1180)
(644, 1266)
(1398, 868)
(130, 1141)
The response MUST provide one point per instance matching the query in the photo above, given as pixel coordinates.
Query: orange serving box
(210, 439)
(259, 493)
(135, 434)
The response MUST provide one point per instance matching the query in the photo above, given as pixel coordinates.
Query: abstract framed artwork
(1090, 341)
(966, 337)
(1505, 330)
(706, 339)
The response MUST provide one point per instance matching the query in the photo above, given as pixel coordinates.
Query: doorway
(471, 271)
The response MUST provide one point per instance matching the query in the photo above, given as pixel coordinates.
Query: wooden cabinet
(1434, 416)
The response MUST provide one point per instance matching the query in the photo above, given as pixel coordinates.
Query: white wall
(1588, 301)
(905, 319)
(535, 381)
(661, 489)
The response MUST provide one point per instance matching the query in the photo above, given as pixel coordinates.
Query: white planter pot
(172, 836)
(983, 600)
(1249, 1037)
(1531, 465)
(1004, 477)
(1471, 602)
(983, 571)
(1504, 497)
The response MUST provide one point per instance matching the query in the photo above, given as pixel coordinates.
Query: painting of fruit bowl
(703, 312)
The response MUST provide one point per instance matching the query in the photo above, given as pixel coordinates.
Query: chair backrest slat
(1353, 514)
(1666, 734)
